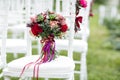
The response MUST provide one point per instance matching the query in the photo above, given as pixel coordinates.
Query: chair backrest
(24, 37)
(38, 6)
(16, 12)
(63, 7)
(16, 16)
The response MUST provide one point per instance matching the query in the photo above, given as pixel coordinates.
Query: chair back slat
(16, 13)
(72, 24)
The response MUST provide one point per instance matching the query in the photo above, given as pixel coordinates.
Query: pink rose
(83, 3)
(53, 23)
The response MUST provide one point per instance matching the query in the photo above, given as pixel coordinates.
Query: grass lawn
(103, 62)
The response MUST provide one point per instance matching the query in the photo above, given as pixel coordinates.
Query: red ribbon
(78, 20)
(91, 11)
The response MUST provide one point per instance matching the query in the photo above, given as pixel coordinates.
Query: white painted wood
(102, 12)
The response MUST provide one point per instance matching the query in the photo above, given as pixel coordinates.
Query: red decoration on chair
(79, 4)
(91, 11)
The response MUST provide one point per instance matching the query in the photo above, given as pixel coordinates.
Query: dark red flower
(36, 29)
(91, 14)
(78, 20)
(64, 28)
(83, 3)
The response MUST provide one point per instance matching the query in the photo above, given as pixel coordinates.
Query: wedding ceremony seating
(61, 67)
(16, 27)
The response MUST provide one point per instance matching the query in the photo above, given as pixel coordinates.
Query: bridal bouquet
(48, 25)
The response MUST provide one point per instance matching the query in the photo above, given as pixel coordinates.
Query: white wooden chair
(62, 7)
(16, 25)
(61, 67)
(102, 12)
(107, 11)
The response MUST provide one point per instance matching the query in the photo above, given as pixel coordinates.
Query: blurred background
(103, 57)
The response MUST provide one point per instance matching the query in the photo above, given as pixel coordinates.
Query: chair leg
(6, 78)
(85, 71)
(71, 78)
(46, 79)
(23, 78)
(15, 55)
(1, 75)
(83, 75)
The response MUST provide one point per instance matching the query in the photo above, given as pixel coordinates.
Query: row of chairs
(21, 10)
(107, 12)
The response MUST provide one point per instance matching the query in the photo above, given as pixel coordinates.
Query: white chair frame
(67, 75)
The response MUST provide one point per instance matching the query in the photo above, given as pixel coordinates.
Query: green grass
(103, 62)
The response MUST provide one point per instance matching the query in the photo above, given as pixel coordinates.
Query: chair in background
(107, 11)
(61, 67)
(16, 29)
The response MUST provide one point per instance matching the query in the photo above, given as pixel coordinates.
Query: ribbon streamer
(48, 54)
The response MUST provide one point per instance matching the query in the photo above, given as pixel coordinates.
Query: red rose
(64, 28)
(36, 29)
(83, 3)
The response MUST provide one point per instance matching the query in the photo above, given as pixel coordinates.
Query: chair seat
(15, 44)
(60, 65)
(78, 45)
